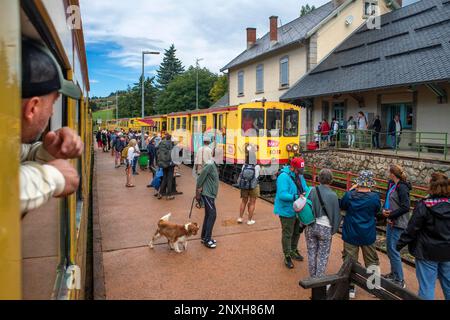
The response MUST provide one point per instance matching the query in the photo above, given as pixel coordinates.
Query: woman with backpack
(250, 191)
(428, 238)
(325, 204)
(396, 210)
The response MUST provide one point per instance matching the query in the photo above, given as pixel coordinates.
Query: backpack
(247, 179)
(164, 155)
(119, 145)
(125, 152)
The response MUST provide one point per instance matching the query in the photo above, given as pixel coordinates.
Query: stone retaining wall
(418, 170)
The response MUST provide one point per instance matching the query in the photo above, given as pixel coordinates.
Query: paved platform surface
(247, 264)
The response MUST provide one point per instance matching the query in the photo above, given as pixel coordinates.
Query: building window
(284, 72)
(260, 78)
(370, 7)
(241, 83)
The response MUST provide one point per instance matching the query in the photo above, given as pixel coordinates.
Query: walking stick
(192, 207)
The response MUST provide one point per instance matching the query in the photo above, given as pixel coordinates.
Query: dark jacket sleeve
(345, 201)
(403, 196)
(415, 225)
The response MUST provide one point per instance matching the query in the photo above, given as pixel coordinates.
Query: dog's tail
(166, 218)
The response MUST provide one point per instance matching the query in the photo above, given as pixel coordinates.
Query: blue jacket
(359, 227)
(287, 193)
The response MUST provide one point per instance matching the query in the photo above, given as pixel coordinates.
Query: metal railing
(409, 142)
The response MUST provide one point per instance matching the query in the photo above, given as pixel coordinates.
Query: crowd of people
(426, 232)
(359, 132)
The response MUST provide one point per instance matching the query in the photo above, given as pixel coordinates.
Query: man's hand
(70, 175)
(198, 194)
(387, 213)
(64, 144)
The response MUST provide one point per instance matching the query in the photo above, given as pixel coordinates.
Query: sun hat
(365, 179)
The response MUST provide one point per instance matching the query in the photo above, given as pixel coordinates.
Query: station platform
(247, 264)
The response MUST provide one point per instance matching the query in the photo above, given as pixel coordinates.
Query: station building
(401, 68)
(272, 65)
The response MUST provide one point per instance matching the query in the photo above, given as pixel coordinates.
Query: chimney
(273, 30)
(337, 3)
(251, 37)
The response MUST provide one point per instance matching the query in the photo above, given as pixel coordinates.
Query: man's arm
(38, 183)
(202, 178)
(35, 152)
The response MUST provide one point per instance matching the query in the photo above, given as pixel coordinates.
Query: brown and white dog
(174, 233)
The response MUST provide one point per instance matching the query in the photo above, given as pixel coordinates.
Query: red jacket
(325, 128)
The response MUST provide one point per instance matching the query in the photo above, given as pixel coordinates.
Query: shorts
(254, 193)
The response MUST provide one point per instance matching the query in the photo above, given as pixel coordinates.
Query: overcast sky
(116, 32)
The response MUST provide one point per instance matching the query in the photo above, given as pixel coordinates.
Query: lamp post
(143, 92)
(196, 86)
(117, 106)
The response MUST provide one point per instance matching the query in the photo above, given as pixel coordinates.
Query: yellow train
(271, 128)
(43, 255)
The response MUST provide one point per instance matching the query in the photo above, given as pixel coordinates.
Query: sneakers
(389, 276)
(240, 220)
(210, 244)
(352, 293)
(288, 262)
(251, 222)
(297, 256)
(400, 283)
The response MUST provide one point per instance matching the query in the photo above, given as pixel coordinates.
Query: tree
(180, 94)
(130, 101)
(219, 89)
(306, 9)
(169, 68)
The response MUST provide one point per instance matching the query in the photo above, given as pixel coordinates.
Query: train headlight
(289, 148)
(295, 147)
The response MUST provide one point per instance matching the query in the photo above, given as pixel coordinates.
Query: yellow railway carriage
(43, 254)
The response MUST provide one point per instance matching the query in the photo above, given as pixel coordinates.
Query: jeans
(376, 140)
(135, 161)
(392, 237)
(427, 272)
(290, 234)
(351, 140)
(395, 141)
(210, 218)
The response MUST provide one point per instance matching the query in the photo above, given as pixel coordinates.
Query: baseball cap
(41, 73)
(207, 139)
(298, 163)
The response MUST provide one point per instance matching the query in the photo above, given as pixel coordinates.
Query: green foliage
(169, 68)
(130, 102)
(180, 94)
(219, 89)
(306, 9)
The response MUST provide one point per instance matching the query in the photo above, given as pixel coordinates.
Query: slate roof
(294, 31)
(412, 47)
(223, 102)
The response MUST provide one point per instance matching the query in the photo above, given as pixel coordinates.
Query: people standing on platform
(108, 139)
(396, 210)
(395, 131)
(351, 127)
(325, 132)
(105, 140)
(249, 185)
(361, 206)
(207, 190)
(428, 238)
(118, 146)
(287, 193)
(376, 127)
(113, 141)
(151, 149)
(165, 162)
(137, 153)
(328, 219)
(98, 137)
(204, 155)
(45, 171)
(334, 131)
(363, 126)
(130, 151)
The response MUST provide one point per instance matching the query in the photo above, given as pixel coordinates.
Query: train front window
(253, 122)
(274, 122)
(178, 123)
(291, 123)
(203, 118)
(184, 126)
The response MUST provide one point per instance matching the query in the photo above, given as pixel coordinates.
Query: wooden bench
(353, 272)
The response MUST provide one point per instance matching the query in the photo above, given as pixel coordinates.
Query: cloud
(210, 29)
(94, 81)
